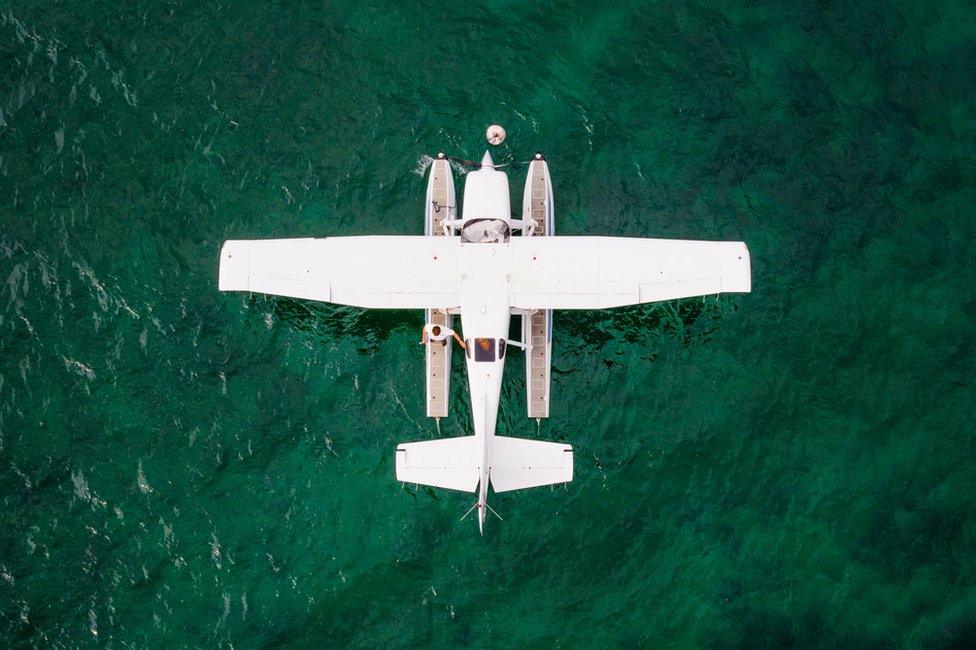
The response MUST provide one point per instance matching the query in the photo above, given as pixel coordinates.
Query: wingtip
(232, 275)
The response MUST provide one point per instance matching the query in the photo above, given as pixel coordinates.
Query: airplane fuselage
(485, 311)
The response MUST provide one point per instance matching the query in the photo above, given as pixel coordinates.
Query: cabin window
(484, 350)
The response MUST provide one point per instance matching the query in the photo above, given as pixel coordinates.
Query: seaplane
(472, 264)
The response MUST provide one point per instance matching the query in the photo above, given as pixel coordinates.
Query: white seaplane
(472, 265)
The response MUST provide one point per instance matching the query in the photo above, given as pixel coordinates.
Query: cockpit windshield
(485, 231)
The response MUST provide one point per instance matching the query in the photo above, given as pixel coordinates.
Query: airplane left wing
(396, 272)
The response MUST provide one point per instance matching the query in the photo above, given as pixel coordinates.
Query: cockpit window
(485, 231)
(484, 349)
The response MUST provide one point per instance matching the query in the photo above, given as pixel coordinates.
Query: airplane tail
(451, 463)
(515, 463)
(518, 463)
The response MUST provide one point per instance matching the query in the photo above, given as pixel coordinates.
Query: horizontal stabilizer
(451, 463)
(518, 463)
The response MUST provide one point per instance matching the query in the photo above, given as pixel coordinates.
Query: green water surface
(185, 468)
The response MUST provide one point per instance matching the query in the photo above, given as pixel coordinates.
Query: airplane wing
(382, 272)
(600, 272)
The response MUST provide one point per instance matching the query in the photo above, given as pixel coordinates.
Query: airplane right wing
(600, 272)
(383, 272)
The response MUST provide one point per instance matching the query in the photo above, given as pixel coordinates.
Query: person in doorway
(439, 334)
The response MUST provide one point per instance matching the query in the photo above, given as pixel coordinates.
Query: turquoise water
(185, 468)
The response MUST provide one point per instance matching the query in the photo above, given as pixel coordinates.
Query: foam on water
(423, 164)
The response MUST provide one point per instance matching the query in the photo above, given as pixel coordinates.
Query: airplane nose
(486, 161)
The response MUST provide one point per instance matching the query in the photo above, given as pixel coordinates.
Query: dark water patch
(329, 322)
